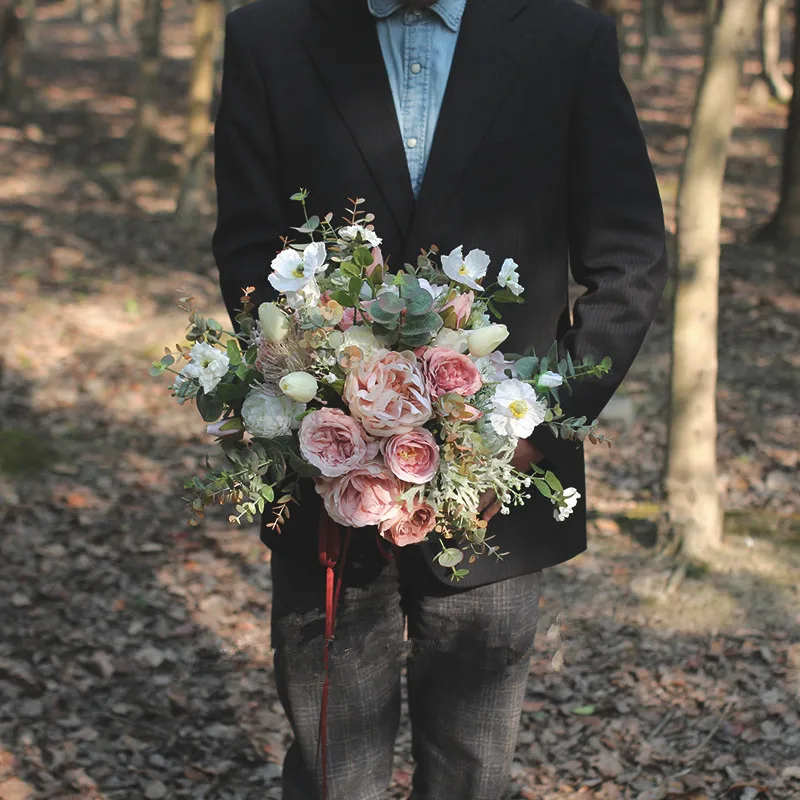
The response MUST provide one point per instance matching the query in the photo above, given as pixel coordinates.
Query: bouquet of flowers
(386, 387)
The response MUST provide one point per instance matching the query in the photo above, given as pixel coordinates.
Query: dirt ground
(135, 659)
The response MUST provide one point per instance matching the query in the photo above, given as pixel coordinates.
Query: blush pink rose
(455, 312)
(386, 393)
(365, 496)
(412, 456)
(447, 371)
(409, 525)
(334, 442)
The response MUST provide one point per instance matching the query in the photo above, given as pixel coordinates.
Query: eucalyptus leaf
(526, 367)
(428, 323)
(419, 302)
(450, 557)
(391, 303)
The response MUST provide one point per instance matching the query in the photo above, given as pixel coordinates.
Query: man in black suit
(534, 152)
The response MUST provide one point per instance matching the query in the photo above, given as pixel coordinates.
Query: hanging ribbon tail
(331, 552)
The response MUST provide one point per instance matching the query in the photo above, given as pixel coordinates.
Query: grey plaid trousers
(467, 658)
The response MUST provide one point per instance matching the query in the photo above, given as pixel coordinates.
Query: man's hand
(525, 455)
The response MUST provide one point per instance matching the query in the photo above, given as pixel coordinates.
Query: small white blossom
(208, 365)
(467, 270)
(292, 271)
(351, 233)
(509, 277)
(516, 409)
(434, 290)
(570, 498)
(494, 367)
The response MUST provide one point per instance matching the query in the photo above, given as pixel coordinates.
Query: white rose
(351, 232)
(549, 380)
(268, 416)
(210, 365)
(274, 323)
(299, 386)
(362, 337)
(482, 341)
(452, 340)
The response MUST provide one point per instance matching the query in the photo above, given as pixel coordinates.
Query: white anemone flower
(308, 295)
(516, 409)
(351, 232)
(209, 365)
(509, 277)
(570, 497)
(435, 291)
(494, 367)
(466, 270)
(292, 271)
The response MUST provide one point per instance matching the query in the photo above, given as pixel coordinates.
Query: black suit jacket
(537, 156)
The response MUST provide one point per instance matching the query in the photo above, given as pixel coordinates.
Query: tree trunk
(691, 482)
(648, 61)
(144, 128)
(201, 91)
(12, 52)
(784, 227)
(779, 86)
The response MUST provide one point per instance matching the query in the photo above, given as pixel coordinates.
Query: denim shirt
(417, 47)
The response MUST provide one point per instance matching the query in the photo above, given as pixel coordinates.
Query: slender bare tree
(779, 86)
(201, 90)
(143, 133)
(12, 53)
(693, 504)
(784, 227)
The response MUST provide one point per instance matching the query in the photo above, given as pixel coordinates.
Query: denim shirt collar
(450, 11)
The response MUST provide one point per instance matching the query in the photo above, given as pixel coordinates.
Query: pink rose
(334, 442)
(455, 312)
(412, 456)
(448, 371)
(409, 525)
(366, 496)
(386, 393)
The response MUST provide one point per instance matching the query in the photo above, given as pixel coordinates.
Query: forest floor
(135, 659)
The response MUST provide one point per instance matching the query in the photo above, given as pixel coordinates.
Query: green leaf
(391, 303)
(156, 370)
(570, 365)
(429, 323)
(584, 711)
(210, 406)
(355, 288)
(506, 296)
(526, 367)
(362, 256)
(543, 487)
(299, 196)
(234, 353)
(419, 302)
(450, 556)
(553, 482)
(342, 297)
(606, 363)
(417, 340)
(167, 360)
(383, 317)
(459, 574)
(213, 325)
(349, 269)
(232, 392)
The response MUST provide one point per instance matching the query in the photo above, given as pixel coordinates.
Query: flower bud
(483, 341)
(549, 380)
(299, 386)
(274, 323)
(226, 427)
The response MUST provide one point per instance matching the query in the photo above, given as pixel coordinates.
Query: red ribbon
(330, 549)
(331, 552)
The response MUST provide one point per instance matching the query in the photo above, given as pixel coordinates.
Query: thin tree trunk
(779, 86)
(144, 129)
(691, 482)
(648, 61)
(784, 227)
(201, 91)
(12, 53)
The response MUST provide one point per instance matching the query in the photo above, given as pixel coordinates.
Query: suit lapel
(486, 60)
(343, 43)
